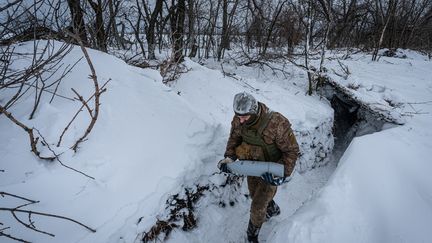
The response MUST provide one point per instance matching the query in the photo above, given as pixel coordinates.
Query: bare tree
(78, 23)
(177, 18)
(309, 15)
(210, 28)
(385, 18)
(227, 18)
(192, 19)
(151, 18)
(327, 9)
(99, 25)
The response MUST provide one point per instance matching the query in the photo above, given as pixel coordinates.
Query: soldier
(259, 134)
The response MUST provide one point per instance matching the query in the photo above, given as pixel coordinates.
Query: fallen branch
(2, 194)
(48, 215)
(12, 237)
(33, 140)
(57, 157)
(30, 225)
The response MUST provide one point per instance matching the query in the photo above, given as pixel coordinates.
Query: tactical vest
(253, 136)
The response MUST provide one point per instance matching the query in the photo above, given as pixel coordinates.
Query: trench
(187, 210)
(351, 120)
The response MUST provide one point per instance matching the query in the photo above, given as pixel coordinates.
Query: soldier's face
(243, 119)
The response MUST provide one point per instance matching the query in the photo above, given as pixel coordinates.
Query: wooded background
(207, 28)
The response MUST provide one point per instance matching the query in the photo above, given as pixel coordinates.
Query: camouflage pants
(261, 194)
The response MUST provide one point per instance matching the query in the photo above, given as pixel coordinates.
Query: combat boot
(272, 210)
(252, 232)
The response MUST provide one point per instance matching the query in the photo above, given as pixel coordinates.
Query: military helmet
(245, 104)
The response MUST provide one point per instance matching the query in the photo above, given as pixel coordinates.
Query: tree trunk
(192, 34)
(211, 28)
(99, 25)
(78, 23)
(150, 30)
(112, 25)
(307, 44)
(177, 29)
(329, 19)
(380, 41)
(270, 31)
(224, 36)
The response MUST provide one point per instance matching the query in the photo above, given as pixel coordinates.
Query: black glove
(273, 180)
(224, 168)
(222, 165)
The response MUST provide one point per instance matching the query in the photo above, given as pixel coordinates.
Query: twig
(13, 238)
(29, 226)
(58, 158)
(33, 140)
(19, 197)
(48, 215)
(419, 103)
(79, 110)
(8, 5)
(65, 72)
(84, 103)
(38, 95)
(344, 67)
(52, 92)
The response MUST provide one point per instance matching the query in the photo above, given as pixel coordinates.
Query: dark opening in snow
(351, 119)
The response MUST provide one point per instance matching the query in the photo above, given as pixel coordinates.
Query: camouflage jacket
(278, 132)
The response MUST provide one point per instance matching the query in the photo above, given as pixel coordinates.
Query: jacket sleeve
(234, 139)
(287, 143)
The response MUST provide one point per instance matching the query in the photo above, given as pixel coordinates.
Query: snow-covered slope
(381, 190)
(145, 138)
(150, 141)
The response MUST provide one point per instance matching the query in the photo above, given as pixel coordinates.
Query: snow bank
(138, 150)
(381, 190)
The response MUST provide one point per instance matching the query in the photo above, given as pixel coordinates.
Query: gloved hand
(222, 165)
(273, 180)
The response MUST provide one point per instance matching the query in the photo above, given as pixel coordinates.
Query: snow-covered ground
(381, 190)
(151, 141)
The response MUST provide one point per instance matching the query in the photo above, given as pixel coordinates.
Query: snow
(143, 128)
(153, 140)
(380, 191)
